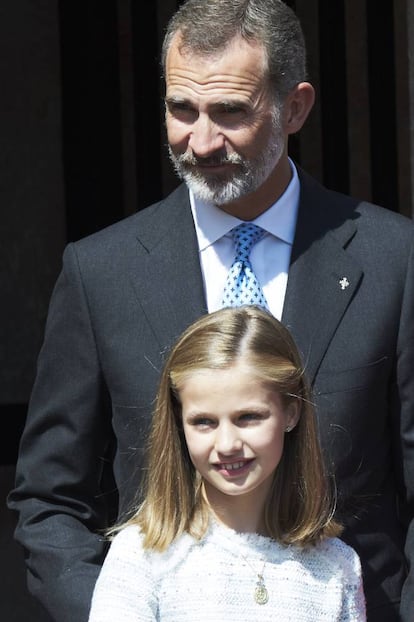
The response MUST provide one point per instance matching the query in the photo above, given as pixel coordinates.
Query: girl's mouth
(233, 468)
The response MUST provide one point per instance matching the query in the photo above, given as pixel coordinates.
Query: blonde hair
(300, 504)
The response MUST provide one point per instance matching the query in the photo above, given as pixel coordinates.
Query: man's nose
(205, 138)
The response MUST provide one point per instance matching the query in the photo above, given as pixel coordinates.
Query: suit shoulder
(373, 229)
(120, 233)
(346, 205)
(371, 214)
(384, 216)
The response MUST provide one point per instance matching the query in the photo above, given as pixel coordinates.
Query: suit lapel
(167, 276)
(323, 278)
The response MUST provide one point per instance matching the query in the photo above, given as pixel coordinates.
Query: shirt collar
(212, 223)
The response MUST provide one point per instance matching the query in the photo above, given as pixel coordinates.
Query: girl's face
(234, 425)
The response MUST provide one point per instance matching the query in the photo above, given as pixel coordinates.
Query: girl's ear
(297, 106)
(293, 415)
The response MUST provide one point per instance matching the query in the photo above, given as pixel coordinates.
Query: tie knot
(245, 236)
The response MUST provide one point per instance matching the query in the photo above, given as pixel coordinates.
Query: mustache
(189, 159)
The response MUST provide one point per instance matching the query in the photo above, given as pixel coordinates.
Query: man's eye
(180, 106)
(233, 110)
(177, 108)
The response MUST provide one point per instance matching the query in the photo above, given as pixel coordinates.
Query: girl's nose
(227, 440)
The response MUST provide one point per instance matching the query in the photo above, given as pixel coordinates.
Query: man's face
(224, 130)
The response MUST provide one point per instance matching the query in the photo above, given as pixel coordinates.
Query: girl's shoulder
(339, 557)
(128, 536)
(337, 547)
(129, 543)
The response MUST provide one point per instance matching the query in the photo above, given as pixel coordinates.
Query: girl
(237, 518)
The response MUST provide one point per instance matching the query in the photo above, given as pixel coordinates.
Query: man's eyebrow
(176, 99)
(232, 103)
(221, 103)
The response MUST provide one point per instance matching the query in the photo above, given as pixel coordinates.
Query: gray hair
(207, 26)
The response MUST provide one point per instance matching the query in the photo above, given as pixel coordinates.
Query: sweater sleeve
(125, 587)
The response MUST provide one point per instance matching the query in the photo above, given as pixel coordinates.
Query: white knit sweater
(214, 581)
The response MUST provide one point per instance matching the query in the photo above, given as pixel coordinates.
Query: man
(338, 271)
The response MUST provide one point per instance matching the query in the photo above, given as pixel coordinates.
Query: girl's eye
(246, 417)
(202, 422)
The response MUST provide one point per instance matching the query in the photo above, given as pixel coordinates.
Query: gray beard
(251, 174)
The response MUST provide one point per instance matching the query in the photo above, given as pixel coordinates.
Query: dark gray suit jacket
(123, 297)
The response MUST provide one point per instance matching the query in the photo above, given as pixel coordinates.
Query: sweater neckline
(250, 543)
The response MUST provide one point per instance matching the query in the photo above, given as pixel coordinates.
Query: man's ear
(297, 106)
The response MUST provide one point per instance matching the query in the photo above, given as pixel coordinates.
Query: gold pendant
(261, 594)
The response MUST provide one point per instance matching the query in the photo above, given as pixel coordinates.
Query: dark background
(82, 145)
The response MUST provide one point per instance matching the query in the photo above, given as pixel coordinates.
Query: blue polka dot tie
(242, 286)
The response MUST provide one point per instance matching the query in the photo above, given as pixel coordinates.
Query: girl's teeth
(232, 467)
